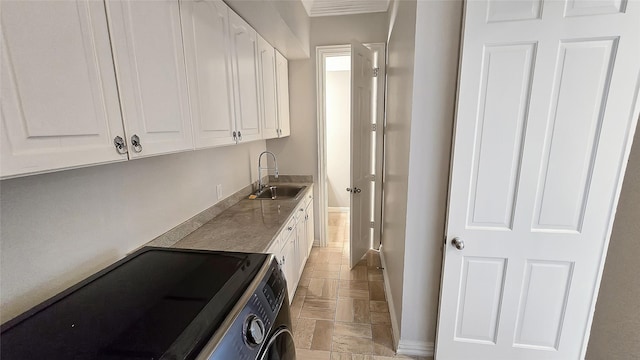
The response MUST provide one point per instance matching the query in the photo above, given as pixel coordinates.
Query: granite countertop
(248, 226)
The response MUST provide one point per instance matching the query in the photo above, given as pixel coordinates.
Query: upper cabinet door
(205, 26)
(245, 77)
(147, 46)
(282, 73)
(267, 57)
(59, 99)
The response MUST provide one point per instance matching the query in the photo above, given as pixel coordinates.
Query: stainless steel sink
(280, 192)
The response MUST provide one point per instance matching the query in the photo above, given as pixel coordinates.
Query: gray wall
(56, 229)
(615, 333)
(438, 27)
(400, 67)
(424, 41)
(298, 153)
(338, 115)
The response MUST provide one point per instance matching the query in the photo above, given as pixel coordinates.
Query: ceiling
(344, 7)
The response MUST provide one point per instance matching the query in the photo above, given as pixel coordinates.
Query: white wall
(298, 153)
(400, 50)
(616, 323)
(338, 117)
(284, 24)
(438, 26)
(56, 229)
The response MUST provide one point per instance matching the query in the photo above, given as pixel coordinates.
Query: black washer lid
(156, 303)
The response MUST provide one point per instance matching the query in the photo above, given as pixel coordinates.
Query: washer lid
(156, 303)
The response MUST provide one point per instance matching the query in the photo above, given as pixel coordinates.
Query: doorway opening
(338, 130)
(335, 169)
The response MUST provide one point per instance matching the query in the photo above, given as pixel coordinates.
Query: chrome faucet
(260, 168)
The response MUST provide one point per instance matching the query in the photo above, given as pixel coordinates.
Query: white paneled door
(547, 107)
(361, 185)
(205, 27)
(245, 73)
(148, 54)
(282, 86)
(269, 97)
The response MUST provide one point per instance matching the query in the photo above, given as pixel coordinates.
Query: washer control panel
(248, 333)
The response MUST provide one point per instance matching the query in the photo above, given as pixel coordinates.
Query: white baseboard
(395, 328)
(338, 209)
(415, 348)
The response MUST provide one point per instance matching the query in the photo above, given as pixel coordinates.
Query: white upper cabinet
(59, 99)
(90, 82)
(148, 52)
(244, 57)
(205, 26)
(267, 58)
(282, 82)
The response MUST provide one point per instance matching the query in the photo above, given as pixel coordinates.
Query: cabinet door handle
(121, 147)
(301, 209)
(234, 136)
(239, 135)
(290, 228)
(137, 145)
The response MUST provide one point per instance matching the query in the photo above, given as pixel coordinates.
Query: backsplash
(181, 231)
(291, 179)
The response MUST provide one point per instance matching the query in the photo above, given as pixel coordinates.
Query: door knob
(349, 190)
(357, 191)
(458, 243)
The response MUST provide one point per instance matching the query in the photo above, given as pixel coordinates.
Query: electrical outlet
(219, 191)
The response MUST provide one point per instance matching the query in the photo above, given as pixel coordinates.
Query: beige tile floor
(340, 313)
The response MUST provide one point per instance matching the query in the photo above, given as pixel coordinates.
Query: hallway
(339, 313)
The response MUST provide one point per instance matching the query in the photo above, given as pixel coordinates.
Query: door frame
(322, 53)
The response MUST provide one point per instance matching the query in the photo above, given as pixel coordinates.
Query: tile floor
(340, 313)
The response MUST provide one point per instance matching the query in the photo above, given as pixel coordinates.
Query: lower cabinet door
(309, 227)
(290, 265)
(301, 248)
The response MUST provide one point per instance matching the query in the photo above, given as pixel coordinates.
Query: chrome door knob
(349, 190)
(458, 243)
(357, 191)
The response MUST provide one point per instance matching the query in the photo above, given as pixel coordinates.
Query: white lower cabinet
(308, 224)
(292, 263)
(301, 247)
(293, 244)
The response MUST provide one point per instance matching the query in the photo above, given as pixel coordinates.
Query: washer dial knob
(255, 332)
